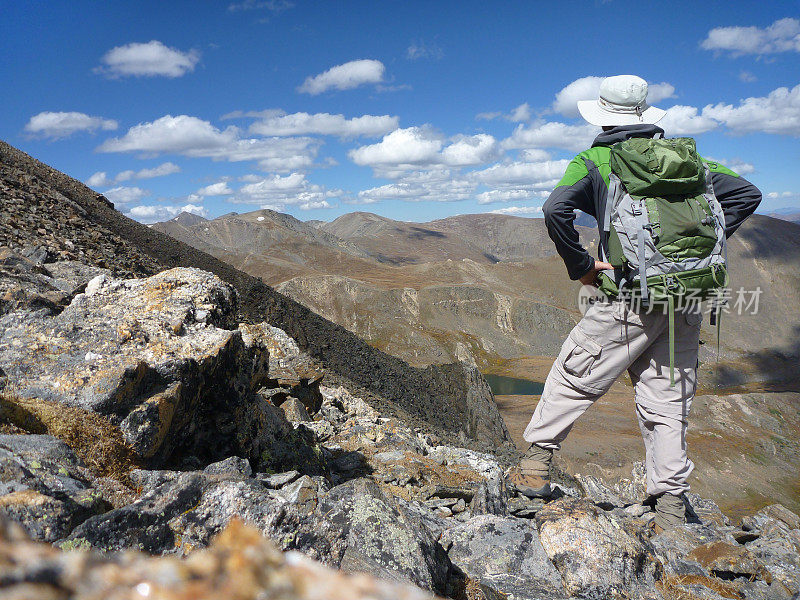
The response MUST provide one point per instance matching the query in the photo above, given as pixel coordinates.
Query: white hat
(622, 101)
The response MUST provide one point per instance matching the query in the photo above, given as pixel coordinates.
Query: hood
(625, 132)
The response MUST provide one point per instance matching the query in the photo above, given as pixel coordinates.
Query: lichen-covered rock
(289, 367)
(769, 514)
(728, 561)
(44, 487)
(674, 546)
(382, 537)
(295, 410)
(594, 554)
(504, 554)
(27, 284)
(778, 549)
(240, 565)
(159, 357)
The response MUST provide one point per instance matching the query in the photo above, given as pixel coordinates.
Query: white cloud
(782, 36)
(518, 174)
(420, 147)
(154, 213)
(552, 135)
(181, 135)
(278, 192)
(215, 189)
(152, 59)
(747, 77)
(421, 49)
(196, 138)
(58, 125)
(303, 123)
(344, 77)
(125, 195)
(161, 170)
(99, 179)
(685, 120)
(438, 185)
(410, 146)
(470, 150)
(508, 195)
(518, 210)
(518, 114)
(533, 155)
(588, 88)
(778, 112)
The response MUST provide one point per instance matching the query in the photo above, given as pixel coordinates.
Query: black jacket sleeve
(739, 199)
(559, 215)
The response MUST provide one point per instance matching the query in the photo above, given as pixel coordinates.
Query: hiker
(655, 185)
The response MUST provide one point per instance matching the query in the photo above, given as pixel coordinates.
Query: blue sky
(413, 110)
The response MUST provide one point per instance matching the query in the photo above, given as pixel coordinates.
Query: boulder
(295, 410)
(594, 554)
(290, 369)
(674, 546)
(240, 564)
(161, 359)
(778, 549)
(383, 538)
(503, 554)
(728, 561)
(44, 486)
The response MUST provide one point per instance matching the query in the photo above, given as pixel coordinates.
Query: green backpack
(664, 228)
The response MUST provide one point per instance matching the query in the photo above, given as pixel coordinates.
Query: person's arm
(574, 191)
(739, 198)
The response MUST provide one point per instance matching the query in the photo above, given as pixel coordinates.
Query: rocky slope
(138, 414)
(46, 217)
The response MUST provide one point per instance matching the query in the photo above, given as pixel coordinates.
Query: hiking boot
(532, 476)
(670, 512)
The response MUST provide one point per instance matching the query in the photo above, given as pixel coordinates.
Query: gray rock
(773, 512)
(232, 466)
(778, 551)
(143, 525)
(44, 486)
(593, 488)
(505, 555)
(289, 367)
(295, 411)
(673, 547)
(595, 556)
(705, 511)
(379, 531)
(277, 480)
(137, 352)
(491, 497)
(303, 493)
(524, 507)
(148, 480)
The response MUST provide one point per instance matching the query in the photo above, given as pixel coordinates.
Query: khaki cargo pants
(610, 338)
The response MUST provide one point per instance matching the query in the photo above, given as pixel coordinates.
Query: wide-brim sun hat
(622, 101)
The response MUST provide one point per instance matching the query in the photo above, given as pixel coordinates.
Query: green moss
(76, 544)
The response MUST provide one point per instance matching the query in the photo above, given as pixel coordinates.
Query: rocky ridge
(223, 423)
(48, 218)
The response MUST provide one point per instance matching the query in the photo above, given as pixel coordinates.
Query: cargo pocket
(579, 360)
(693, 317)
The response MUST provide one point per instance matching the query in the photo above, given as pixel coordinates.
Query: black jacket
(584, 187)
